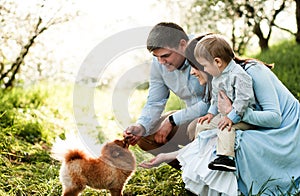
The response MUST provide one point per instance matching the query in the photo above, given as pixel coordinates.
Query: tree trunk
(298, 21)
(263, 42)
(16, 65)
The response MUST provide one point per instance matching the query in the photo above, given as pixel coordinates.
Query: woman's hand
(156, 161)
(224, 103)
(225, 122)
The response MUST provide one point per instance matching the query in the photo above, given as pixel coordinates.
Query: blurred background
(43, 44)
(48, 40)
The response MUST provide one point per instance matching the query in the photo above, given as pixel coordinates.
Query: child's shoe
(222, 163)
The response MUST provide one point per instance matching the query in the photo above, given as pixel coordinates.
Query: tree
(258, 16)
(21, 25)
(240, 20)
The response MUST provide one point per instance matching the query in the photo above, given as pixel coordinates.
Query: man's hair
(165, 35)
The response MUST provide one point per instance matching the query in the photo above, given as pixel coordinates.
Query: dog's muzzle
(126, 142)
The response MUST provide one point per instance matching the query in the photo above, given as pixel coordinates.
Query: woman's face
(201, 75)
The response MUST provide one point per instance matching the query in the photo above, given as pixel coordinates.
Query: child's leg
(225, 151)
(225, 142)
(207, 126)
(225, 148)
(226, 139)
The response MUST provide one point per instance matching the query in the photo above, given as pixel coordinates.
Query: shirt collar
(184, 66)
(230, 66)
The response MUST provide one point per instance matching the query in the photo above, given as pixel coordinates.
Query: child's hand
(207, 117)
(224, 123)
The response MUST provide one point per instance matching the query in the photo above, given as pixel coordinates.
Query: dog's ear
(122, 143)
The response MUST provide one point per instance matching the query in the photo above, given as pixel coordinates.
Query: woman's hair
(214, 46)
(243, 62)
(165, 34)
(189, 54)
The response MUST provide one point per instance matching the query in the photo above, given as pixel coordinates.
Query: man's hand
(224, 123)
(163, 131)
(207, 118)
(134, 133)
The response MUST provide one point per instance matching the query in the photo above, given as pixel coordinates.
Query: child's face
(202, 76)
(211, 68)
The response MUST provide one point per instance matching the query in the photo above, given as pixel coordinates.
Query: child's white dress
(198, 178)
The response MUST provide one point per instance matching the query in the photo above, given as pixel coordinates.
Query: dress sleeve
(266, 96)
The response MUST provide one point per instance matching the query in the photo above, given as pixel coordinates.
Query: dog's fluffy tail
(69, 149)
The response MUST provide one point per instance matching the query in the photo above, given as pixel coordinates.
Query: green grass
(285, 56)
(31, 118)
(25, 165)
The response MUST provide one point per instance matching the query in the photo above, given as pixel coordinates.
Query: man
(170, 71)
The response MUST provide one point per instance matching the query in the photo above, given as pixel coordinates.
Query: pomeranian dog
(110, 170)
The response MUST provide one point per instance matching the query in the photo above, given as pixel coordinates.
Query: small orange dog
(109, 171)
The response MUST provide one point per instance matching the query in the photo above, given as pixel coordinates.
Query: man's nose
(161, 60)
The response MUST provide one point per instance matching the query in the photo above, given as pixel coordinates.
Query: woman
(266, 155)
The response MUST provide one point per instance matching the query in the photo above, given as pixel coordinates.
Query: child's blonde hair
(213, 46)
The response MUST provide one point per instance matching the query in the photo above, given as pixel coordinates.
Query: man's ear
(182, 45)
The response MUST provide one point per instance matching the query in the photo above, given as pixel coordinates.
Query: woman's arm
(160, 158)
(266, 96)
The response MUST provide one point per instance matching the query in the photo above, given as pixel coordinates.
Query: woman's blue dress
(267, 157)
(269, 154)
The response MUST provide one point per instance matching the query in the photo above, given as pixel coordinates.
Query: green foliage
(293, 190)
(174, 103)
(26, 167)
(285, 56)
(22, 98)
(163, 180)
